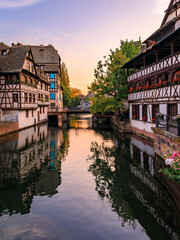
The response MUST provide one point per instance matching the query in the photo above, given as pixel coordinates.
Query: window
(39, 97)
(155, 110)
(52, 86)
(144, 113)
(42, 67)
(52, 96)
(15, 97)
(34, 98)
(172, 109)
(52, 105)
(43, 109)
(40, 110)
(25, 97)
(27, 113)
(32, 113)
(135, 111)
(46, 98)
(60, 97)
(52, 75)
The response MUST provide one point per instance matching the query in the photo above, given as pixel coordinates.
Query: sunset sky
(82, 31)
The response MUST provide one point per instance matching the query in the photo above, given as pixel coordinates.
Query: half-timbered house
(154, 75)
(24, 89)
(49, 61)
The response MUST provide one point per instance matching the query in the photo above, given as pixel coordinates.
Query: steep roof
(45, 54)
(3, 46)
(14, 60)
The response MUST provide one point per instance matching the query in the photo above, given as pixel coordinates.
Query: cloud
(17, 3)
(161, 6)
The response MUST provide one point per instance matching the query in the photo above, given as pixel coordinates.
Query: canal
(84, 183)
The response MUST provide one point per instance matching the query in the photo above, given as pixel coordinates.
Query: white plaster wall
(130, 111)
(44, 116)
(163, 108)
(178, 109)
(171, 16)
(140, 112)
(26, 121)
(9, 116)
(29, 121)
(143, 126)
(177, 24)
(149, 113)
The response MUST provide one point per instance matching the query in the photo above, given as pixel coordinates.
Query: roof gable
(45, 55)
(14, 60)
(171, 12)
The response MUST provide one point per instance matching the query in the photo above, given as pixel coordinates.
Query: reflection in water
(49, 190)
(126, 179)
(30, 165)
(81, 121)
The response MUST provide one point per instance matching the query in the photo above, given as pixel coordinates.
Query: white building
(24, 88)
(154, 85)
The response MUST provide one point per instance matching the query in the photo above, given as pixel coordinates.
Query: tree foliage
(75, 92)
(66, 85)
(110, 86)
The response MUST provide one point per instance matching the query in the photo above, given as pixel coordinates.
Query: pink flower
(175, 154)
(179, 164)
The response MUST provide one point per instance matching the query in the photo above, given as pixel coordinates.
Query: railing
(168, 123)
(165, 63)
(162, 92)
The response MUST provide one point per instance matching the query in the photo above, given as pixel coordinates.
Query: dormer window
(41, 50)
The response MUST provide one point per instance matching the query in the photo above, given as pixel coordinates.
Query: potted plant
(144, 119)
(134, 117)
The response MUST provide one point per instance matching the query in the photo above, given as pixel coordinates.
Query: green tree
(110, 87)
(65, 76)
(66, 85)
(75, 101)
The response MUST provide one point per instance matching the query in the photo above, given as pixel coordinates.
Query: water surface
(82, 184)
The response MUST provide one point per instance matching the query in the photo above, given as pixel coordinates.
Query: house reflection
(128, 180)
(30, 165)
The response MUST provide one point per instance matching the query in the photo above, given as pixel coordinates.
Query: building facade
(49, 61)
(24, 88)
(154, 75)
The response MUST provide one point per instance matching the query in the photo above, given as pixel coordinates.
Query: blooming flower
(169, 161)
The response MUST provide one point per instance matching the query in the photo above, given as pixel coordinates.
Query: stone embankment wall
(6, 127)
(165, 141)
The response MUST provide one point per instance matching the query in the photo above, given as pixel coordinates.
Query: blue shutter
(52, 96)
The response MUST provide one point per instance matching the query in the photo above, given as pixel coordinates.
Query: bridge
(68, 111)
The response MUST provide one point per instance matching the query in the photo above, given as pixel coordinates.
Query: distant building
(84, 101)
(24, 88)
(154, 85)
(49, 61)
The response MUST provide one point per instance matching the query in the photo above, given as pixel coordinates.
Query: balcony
(169, 124)
(164, 64)
(171, 92)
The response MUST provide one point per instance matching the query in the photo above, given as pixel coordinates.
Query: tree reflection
(106, 169)
(129, 186)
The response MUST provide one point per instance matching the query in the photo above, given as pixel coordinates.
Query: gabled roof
(45, 55)
(168, 11)
(14, 60)
(3, 46)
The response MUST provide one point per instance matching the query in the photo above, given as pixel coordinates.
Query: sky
(83, 31)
